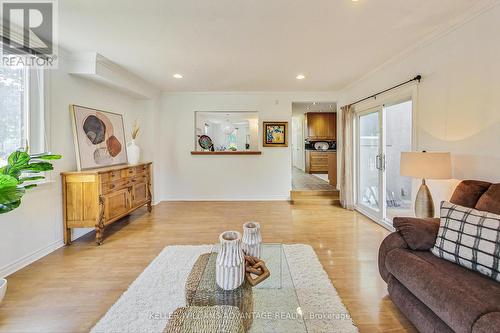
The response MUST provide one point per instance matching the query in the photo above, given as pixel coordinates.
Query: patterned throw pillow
(469, 238)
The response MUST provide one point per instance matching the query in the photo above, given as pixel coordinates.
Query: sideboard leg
(99, 228)
(99, 234)
(67, 236)
(150, 208)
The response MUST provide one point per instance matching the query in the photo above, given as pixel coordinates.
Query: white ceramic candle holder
(230, 269)
(252, 240)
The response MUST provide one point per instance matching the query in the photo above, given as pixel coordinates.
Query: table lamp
(425, 165)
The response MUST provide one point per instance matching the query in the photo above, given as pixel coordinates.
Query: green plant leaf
(10, 193)
(13, 172)
(46, 157)
(38, 167)
(7, 181)
(18, 159)
(5, 208)
(29, 179)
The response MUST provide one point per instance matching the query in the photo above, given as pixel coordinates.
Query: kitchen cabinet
(317, 161)
(321, 126)
(332, 168)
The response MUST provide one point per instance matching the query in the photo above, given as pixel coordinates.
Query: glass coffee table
(271, 306)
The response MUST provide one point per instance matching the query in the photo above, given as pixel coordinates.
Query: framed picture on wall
(275, 133)
(99, 137)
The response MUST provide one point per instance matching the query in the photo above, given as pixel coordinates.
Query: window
(21, 110)
(13, 99)
(228, 130)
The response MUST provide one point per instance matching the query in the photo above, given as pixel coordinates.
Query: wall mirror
(228, 131)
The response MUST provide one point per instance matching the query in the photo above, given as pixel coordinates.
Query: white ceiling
(251, 45)
(301, 107)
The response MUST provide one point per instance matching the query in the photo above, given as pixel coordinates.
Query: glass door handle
(380, 162)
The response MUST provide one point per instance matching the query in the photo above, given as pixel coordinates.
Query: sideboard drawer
(116, 185)
(141, 169)
(129, 172)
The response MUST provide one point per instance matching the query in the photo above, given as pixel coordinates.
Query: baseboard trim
(276, 198)
(30, 258)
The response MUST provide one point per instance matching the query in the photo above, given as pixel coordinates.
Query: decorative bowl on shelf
(321, 146)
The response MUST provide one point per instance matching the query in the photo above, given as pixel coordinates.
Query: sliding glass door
(382, 134)
(369, 162)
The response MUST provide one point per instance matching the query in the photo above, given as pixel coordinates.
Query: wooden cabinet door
(315, 125)
(139, 194)
(331, 121)
(332, 169)
(116, 203)
(318, 162)
(321, 126)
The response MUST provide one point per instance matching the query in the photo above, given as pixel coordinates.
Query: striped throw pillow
(469, 238)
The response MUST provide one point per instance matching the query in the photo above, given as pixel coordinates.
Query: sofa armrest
(391, 242)
(419, 234)
(487, 323)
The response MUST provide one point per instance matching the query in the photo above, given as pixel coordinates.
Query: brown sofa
(437, 295)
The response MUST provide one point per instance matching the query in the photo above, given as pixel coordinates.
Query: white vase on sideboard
(133, 152)
(252, 239)
(230, 268)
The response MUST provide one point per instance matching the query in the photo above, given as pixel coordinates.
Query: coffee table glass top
(271, 306)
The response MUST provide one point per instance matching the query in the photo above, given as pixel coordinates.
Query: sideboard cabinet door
(116, 203)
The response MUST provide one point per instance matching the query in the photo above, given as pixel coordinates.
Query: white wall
(458, 98)
(36, 228)
(253, 177)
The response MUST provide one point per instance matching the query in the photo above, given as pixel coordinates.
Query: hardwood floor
(70, 289)
(302, 181)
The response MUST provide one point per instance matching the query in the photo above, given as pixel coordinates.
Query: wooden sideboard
(98, 197)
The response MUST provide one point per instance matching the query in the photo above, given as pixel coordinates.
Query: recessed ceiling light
(300, 77)
(178, 76)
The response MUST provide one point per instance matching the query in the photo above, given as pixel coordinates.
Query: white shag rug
(159, 290)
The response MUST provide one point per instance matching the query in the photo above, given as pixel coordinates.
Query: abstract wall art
(99, 138)
(275, 134)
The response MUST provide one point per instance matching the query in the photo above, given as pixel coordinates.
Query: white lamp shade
(428, 165)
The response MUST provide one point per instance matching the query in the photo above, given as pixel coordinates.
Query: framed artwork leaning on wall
(99, 137)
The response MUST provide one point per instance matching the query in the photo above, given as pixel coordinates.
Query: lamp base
(424, 205)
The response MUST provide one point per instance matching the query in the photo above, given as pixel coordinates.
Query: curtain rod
(416, 78)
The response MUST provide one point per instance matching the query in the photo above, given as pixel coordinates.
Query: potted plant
(18, 175)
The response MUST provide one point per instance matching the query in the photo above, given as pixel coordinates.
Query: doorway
(313, 138)
(383, 132)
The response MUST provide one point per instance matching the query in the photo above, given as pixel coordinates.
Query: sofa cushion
(457, 295)
(490, 200)
(470, 238)
(419, 234)
(468, 192)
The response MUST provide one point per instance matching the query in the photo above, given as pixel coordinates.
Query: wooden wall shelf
(241, 152)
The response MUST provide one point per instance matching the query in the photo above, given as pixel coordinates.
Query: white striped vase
(230, 269)
(252, 240)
